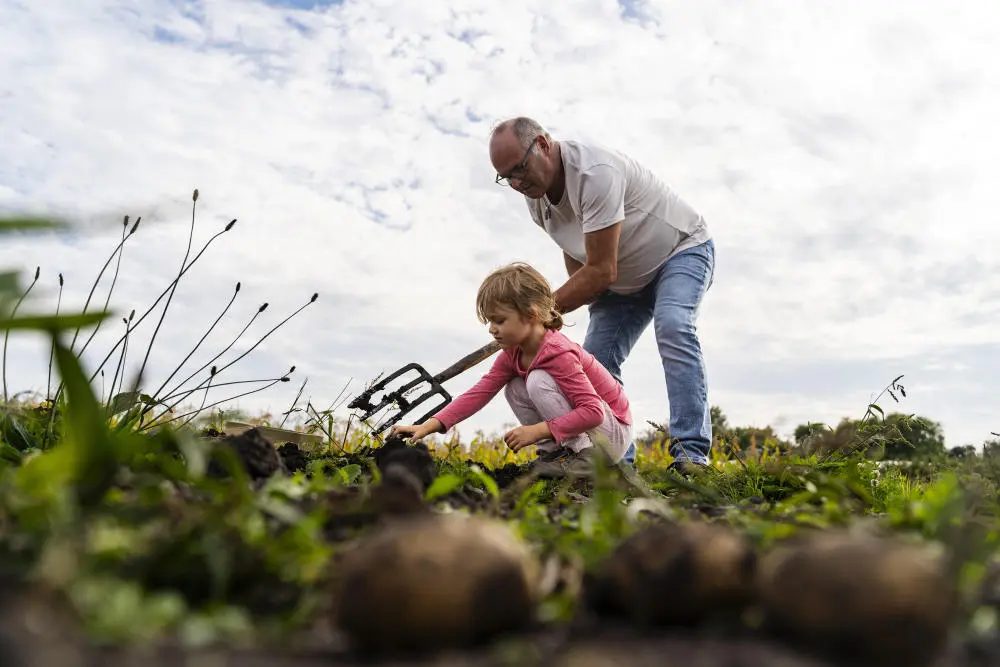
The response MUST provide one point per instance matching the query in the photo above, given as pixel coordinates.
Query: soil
(49, 644)
(261, 459)
(256, 453)
(33, 633)
(294, 458)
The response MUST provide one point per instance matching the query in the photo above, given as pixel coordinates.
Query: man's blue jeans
(671, 301)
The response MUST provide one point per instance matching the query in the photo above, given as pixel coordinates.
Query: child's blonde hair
(521, 287)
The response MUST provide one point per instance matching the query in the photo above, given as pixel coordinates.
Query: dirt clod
(507, 473)
(256, 453)
(293, 457)
(416, 458)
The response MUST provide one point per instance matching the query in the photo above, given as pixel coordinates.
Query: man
(635, 253)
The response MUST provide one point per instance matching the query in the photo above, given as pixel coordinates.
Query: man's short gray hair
(525, 129)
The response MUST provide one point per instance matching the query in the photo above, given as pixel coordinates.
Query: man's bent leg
(616, 322)
(680, 287)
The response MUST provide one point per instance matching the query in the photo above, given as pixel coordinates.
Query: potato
(435, 582)
(860, 595)
(675, 574)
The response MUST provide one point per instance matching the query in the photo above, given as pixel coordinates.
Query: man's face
(524, 169)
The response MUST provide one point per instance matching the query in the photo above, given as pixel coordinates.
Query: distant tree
(991, 448)
(818, 438)
(918, 438)
(963, 452)
(720, 424)
(898, 437)
(804, 433)
(753, 440)
(659, 433)
(743, 439)
(652, 435)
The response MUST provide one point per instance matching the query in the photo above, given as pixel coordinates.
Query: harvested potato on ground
(434, 582)
(874, 599)
(677, 574)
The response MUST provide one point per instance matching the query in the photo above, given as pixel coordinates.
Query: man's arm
(572, 266)
(594, 276)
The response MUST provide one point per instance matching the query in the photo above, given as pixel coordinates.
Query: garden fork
(397, 396)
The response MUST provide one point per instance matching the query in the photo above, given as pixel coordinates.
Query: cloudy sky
(843, 154)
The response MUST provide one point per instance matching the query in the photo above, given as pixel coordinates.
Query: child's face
(508, 327)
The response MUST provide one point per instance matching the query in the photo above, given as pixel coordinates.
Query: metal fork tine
(410, 405)
(363, 400)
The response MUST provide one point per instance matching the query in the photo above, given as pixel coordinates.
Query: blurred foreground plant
(134, 406)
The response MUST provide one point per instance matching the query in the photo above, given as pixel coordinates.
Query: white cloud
(841, 153)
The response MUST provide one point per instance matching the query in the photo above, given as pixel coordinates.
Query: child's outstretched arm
(466, 404)
(478, 395)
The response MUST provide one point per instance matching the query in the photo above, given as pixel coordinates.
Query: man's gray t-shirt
(604, 186)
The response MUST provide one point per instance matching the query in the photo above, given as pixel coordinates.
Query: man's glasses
(518, 172)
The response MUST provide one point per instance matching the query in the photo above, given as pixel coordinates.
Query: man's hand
(525, 436)
(416, 432)
(594, 276)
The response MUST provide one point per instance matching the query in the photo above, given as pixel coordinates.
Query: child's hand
(416, 431)
(404, 430)
(525, 436)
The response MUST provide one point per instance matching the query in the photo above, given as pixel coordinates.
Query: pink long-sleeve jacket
(580, 377)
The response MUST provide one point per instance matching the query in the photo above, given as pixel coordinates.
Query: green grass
(114, 502)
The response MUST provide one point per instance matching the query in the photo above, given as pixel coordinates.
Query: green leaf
(83, 411)
(487, 481)
(12, 432)
(122, 402)
(53, 322)
(219, 563)
(9, 282)
(91, 447)
(30, 223)
(8, 453)
(530, 495)
(349, 473)
(195, 455)
(442, 486)
(127, 400)
(282, 510)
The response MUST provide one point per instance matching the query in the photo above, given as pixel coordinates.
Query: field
(133, 533)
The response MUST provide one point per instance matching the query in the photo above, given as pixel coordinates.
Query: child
(562, 396)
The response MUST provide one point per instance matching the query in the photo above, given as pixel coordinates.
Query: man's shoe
(686, 468)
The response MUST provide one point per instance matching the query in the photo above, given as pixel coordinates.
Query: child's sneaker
(561, 462)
